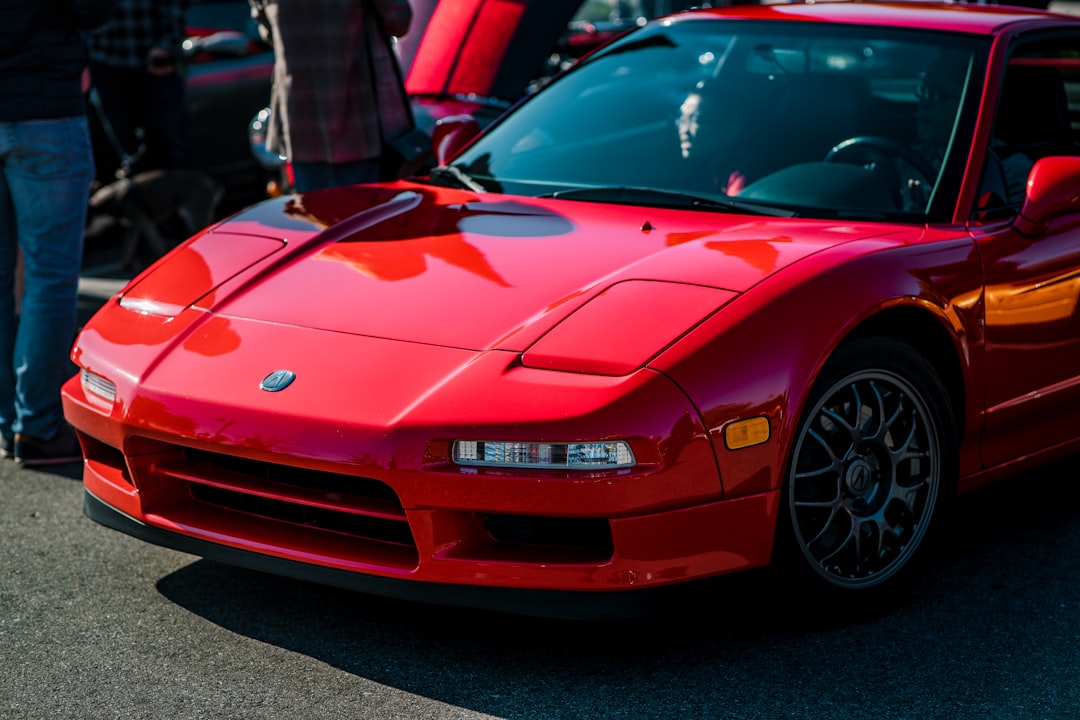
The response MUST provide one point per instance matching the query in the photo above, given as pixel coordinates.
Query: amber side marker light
(746, 433)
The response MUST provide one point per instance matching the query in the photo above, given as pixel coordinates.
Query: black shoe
(62, 448)
(7, 447)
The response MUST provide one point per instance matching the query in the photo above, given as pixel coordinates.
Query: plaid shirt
(136, 27)
(329, 104)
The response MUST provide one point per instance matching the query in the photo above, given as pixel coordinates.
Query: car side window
(1038, 115)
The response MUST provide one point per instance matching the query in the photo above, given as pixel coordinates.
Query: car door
(1032, 282)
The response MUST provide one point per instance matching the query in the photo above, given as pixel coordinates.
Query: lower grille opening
(372, 528)
(329, 483)
(106, 461)
(592, 535)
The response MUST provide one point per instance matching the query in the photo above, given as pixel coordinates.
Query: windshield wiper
(666, 198)
(453, 176)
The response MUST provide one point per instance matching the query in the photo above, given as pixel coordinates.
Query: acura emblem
(277, 380)
(859, 477)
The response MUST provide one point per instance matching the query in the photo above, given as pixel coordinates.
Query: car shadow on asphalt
(70, 470)
(1002, 543)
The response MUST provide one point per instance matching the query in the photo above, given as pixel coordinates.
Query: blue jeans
(317, 175)
(45, 174)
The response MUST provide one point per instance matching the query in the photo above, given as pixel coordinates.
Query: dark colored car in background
(224, 90)
(228, 70)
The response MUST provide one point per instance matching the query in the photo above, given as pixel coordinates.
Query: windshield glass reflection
(828, 121)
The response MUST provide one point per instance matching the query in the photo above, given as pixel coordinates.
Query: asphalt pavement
(95, 624)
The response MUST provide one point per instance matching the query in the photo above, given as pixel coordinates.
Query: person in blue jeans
(45, 174)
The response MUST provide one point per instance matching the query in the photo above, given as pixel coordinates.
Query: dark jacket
(42, 56)
(336, 92)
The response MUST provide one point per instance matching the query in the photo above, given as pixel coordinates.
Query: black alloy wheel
(871, 467)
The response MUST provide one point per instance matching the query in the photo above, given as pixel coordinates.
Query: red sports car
(750, 285)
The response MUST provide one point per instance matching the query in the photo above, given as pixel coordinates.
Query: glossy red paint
(595, 339)
(447, 33)
(217, 349)
(486, 48)
(957, 17)
(492, 294)
(1031, 292)
(415, 315)
(836, 292)
(1052, 190)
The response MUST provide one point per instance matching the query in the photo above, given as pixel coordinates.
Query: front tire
(870, 470)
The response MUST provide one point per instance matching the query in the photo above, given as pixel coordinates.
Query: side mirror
(451, 135)
(1053, 190)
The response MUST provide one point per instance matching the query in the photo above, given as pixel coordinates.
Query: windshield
(822, 120)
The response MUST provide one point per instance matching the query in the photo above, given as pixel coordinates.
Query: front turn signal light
(97, 389)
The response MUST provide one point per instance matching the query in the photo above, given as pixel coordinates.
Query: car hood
(458, 269)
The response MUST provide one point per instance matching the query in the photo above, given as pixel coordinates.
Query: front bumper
(362, 492)
(559, 604)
